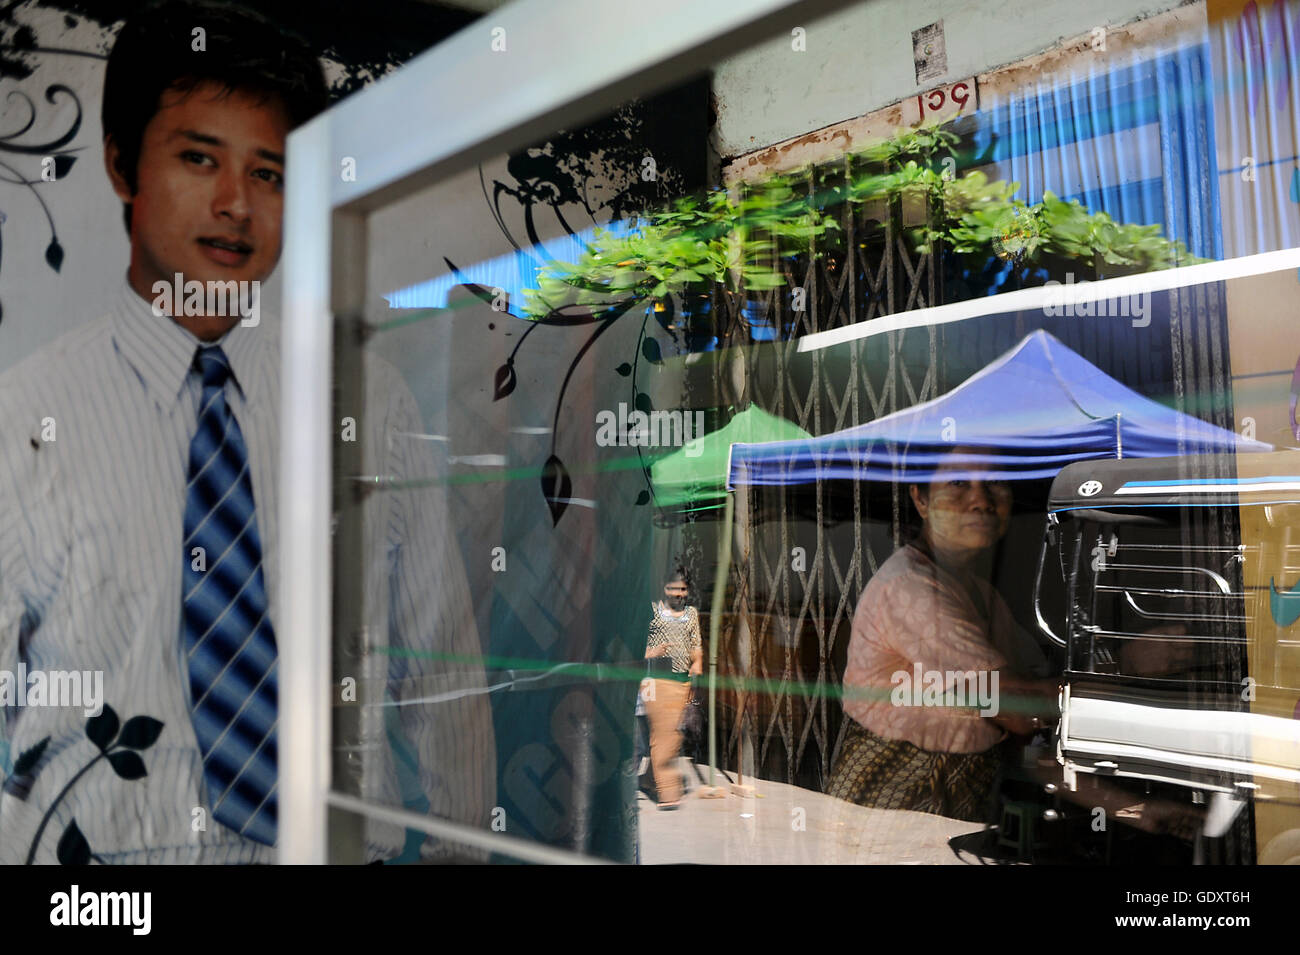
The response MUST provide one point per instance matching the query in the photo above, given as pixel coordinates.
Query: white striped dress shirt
(90, 579)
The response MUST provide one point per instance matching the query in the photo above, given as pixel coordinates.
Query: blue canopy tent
(1025, 416)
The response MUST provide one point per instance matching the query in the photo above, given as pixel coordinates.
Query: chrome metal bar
(1186, 548)
(1038, 581)
(1171, 592)
(1097, 631)
(1156, 569)
(1156, 615)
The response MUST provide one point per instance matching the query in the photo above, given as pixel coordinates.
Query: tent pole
(715, 627)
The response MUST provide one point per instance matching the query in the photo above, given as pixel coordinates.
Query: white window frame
(565, 63)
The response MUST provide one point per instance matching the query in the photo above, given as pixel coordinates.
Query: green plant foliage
(739, 239)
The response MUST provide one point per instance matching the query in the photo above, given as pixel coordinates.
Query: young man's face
(209, 194)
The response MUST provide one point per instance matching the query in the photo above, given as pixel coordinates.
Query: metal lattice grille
(784, 640)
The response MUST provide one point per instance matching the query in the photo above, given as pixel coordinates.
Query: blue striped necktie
(225, 627)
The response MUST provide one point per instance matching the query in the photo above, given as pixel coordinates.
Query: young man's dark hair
(160, 49)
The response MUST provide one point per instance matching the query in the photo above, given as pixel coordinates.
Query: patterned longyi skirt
(894, 774)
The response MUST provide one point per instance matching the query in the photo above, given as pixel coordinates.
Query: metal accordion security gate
(802, 556)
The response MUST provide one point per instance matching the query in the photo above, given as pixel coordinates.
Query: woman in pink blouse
(929, 609)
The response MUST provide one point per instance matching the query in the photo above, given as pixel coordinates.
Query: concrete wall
(861, 59)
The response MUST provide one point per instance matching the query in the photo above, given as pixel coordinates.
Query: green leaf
(763, 279)
(707, 237)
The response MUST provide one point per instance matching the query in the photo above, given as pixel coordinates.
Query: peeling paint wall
(860, 60)
(1060, 63)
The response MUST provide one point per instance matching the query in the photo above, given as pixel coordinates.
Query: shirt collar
(162, 352)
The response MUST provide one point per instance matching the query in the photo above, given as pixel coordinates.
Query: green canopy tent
(694, 478)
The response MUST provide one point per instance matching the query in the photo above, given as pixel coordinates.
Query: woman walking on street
(674, 653)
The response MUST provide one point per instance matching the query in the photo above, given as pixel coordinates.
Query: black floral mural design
(558, 175)
(27, 163)
(120, 744)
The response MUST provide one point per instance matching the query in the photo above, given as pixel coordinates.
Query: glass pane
(723, 487)
(500, 554)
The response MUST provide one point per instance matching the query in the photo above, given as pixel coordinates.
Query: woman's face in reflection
(675, 594)
(963, 514)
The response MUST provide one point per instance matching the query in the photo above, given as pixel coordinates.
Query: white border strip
(464, 835)
(304, 621)
(1060, 296)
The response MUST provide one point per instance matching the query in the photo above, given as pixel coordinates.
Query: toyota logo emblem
(1089, 488)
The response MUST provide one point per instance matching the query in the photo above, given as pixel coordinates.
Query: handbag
(691, 725)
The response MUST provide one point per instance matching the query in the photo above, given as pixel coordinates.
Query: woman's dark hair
(240, 49)
(678, 573)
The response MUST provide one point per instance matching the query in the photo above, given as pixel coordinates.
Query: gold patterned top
(680, 634)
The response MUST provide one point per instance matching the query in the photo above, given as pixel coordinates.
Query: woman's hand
(1037, 697)
(1016, 725)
